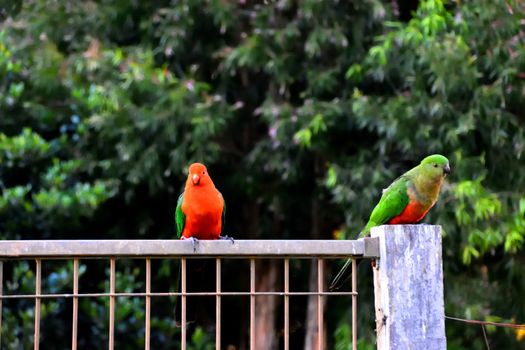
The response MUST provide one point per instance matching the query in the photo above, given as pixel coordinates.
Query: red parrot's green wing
(394, 199)
(180, 217)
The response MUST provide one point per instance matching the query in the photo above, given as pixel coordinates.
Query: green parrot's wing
(393, 201)
(180, 217)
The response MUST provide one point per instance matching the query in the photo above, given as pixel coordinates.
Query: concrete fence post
(408, 288)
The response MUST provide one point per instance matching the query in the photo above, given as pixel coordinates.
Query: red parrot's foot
(227, 237)
(373, 263)
(194, 242)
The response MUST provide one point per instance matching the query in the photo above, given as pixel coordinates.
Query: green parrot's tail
(366, 231)
(342, 276)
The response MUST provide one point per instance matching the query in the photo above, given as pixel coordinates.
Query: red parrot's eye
(203, 172)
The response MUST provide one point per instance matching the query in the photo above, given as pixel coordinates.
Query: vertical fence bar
(1, 293)
(286, 304)
(354, 304)
(320, 304)
(183, 303)
(111, 303)
(147, 326)
(218, 303)
(74, 325)
(38, 291)
(252, 304)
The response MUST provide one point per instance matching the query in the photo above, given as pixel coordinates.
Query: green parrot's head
(436, 165)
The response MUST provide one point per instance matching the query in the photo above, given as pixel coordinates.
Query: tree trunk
(312, 329)
(312, 333)
(267, 273)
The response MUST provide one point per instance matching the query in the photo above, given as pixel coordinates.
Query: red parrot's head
(198, 175)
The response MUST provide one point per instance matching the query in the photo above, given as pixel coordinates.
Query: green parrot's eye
(435, 165)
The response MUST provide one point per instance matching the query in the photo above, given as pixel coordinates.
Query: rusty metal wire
(487, 323)
(252, 303)
(183, 303)
(38, 289)
(218, 303)
(286, 304)
(112, 263)
(168, 294)
(1, 292)
(74, 321)
(147, 326)
(354, 304)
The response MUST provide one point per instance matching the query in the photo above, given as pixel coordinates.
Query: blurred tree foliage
(303, 112)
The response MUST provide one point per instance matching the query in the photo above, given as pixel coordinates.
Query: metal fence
(183, 250)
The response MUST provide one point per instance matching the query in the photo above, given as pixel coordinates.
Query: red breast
(202, 205)
(413, 213)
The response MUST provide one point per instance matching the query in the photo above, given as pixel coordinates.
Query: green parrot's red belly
(412, 214)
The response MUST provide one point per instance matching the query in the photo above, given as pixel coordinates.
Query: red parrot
(200, 209)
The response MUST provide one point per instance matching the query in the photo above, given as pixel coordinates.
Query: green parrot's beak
(446, 169)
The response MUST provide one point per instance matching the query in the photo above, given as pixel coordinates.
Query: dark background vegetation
(302, 110)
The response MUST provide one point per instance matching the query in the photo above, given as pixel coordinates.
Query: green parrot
(406, 201)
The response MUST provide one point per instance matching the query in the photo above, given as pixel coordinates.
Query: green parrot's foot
(194, 242)
(227, 237)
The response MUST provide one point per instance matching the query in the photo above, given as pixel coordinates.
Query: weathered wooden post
(408, 284)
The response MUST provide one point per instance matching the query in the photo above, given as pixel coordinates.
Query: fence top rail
(24, 249)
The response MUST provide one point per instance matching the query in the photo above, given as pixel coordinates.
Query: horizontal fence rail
(366, 248)
(147, 250)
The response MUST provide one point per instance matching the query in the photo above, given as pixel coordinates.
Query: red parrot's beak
(195, 179)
